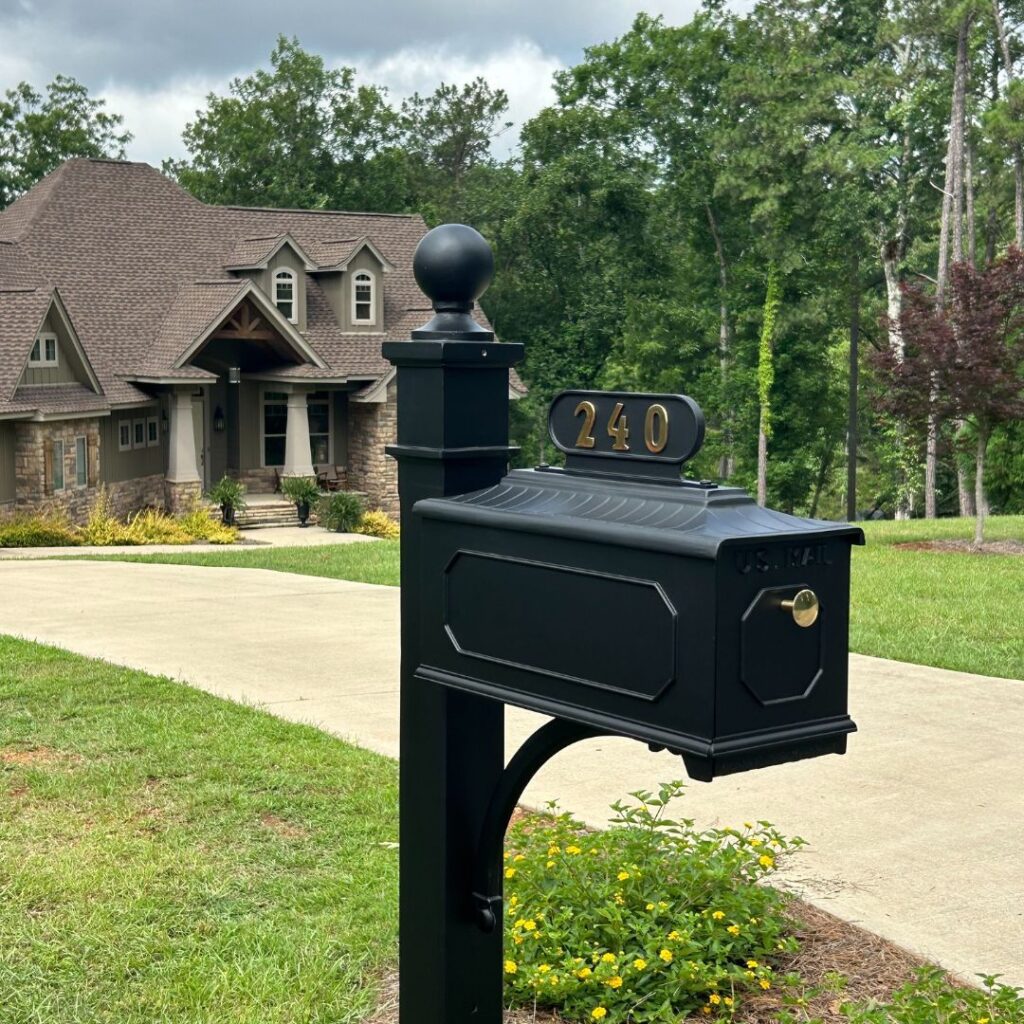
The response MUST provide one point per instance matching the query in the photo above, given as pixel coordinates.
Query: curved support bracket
(547, 741)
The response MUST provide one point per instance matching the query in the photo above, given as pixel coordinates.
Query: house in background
(152, 343)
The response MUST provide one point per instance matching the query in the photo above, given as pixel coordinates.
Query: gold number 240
(655, 427)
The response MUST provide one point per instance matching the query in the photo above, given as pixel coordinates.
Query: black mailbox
(616, 594)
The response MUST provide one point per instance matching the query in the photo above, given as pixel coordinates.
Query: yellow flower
(573, 851)
(705, 1009)
(751, 963)
(983, 1020)
(599, 1013)
(513, 901)
(507, 855)
(765, 861)
(650, 906)
(615, 982)
(733, 929)
(584, 972)
(674, 936)
(640, 963)
(727, 1000)
(519, 857)
(667, 955)
(592, 851)
(623, 875)
(718, 915)
(765, 984)
(544, 968)
(662, 905)
(550, 864)
(714, 998)
(510, 967)
(748, 824)
(608, 958)
(619, 899)
(517, 939)
(755, 842)
(552, 850)
(530, 926)
(750, 974)
(510, 872)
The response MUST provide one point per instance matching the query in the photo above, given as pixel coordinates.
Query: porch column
(297, 458)
(181, 455)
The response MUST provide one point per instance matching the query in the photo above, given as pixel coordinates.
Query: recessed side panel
(581, 626)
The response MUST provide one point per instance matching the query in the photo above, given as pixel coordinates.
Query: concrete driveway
(916, 834)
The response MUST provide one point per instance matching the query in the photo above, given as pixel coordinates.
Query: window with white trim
(284, 294)
(124, 435)
(57, 465)
(152, 432)
(81, 462)
(319, 413)
(275, 427)
(138, 433)
(364, 305)
(44, 351)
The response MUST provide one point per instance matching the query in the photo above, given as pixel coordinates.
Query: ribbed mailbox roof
(688, 518)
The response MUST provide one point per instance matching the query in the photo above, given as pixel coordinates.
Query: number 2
(586, 438)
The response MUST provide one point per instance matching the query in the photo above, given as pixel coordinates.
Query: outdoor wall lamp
(234, 375)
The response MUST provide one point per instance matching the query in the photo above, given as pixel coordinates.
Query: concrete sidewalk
(251, 540)
(916, 834)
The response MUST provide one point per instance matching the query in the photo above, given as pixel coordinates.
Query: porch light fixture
(234, 375)
(218, 419)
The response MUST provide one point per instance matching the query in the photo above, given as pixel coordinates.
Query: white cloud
(156, 117)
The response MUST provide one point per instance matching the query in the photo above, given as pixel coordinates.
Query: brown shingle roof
(140, 267)
(57, 398)
(21, 314)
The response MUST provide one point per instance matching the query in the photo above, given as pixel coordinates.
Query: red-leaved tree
(965, 360)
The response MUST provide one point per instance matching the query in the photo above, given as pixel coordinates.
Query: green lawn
(166, 856)
(949, 609)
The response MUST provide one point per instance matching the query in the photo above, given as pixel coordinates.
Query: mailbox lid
(683, 518)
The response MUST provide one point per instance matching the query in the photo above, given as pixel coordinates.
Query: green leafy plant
(932, 998)
(301, 489)
(379, 524)
(38, 532)
(228, 493)
(647, 921)
(341, 511)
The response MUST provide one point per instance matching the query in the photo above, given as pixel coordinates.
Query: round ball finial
(453, 265)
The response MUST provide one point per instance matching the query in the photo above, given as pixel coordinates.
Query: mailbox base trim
(704, 759)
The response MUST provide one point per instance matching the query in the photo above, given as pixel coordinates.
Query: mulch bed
(991, 547)
(873, 969)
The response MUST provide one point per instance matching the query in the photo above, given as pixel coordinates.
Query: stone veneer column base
(180, 497)
(371, 426)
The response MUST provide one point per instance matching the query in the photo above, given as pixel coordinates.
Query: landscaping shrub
(200, 525)
(341, 511)
(647, 921)
(38, 532)
(379, 524)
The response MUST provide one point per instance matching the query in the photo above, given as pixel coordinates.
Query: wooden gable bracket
(244, 325)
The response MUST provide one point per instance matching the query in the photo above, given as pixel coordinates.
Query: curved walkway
(916, 834)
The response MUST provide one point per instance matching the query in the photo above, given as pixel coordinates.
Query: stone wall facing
(371, 426)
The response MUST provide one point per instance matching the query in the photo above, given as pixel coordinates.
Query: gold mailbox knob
(804, 607)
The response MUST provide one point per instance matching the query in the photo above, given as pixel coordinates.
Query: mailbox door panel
(604, 634)
(773, 671)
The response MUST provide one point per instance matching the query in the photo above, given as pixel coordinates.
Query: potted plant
(229, 494)
(304, 492)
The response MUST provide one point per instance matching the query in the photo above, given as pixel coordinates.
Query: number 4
(621, 431)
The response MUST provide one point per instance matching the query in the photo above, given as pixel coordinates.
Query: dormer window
(284, 294)
(44, 351)
(363, 299)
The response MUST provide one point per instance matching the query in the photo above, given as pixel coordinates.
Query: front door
(199, 431)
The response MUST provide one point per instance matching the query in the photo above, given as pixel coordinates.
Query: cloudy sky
(155, 60)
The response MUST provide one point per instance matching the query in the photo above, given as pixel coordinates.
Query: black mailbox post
(612, 594)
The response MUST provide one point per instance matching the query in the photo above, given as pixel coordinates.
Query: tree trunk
(951, 229)
(851, 430)
(969, 192)
(1018, 154)
(727, 462)
(979, 488)
(762, 462)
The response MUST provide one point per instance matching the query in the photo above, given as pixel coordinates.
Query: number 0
(656, 428)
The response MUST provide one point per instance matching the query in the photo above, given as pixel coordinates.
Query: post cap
(453, 265)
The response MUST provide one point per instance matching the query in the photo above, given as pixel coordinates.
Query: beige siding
(333, 286)
(285, 259)
(116, 465)
(7, 440)
(249, 413)
(69, 367)
(364, 260)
